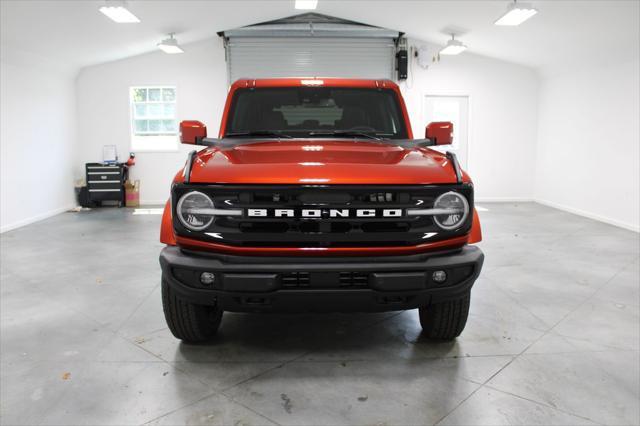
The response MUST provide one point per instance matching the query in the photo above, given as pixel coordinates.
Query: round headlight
(191, 210)
(455, 209)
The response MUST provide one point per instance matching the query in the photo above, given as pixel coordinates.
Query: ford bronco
(316, 198)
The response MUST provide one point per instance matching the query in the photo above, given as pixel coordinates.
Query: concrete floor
(553, 337)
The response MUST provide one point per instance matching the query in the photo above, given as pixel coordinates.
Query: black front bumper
(320, 284)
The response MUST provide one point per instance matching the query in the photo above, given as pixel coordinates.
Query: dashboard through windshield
(308, 112)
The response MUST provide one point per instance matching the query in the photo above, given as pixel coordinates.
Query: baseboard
(36, 218)
(593, 216)
(503, 200)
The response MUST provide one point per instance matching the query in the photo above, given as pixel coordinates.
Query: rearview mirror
(440, 132)
(192, 132)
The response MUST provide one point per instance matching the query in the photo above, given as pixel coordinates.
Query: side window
(153, 118)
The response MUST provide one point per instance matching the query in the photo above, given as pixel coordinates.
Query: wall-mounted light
(170, 45)
(516, 14)
(306, 4)
(453, 47)
(117, 11)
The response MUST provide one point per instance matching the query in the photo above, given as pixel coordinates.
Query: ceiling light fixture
(306, 4)
(516, 14)
(453, 47)
(170, 45)
(117, 11)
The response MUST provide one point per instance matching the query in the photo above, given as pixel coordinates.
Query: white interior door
(456, 110)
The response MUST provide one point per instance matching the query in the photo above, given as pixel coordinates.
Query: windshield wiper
(346, 133)
(267, 133)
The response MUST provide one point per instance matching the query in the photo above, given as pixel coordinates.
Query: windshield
(309, 112)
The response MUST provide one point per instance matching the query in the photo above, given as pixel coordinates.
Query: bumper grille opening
(354, 279)
(295, 279)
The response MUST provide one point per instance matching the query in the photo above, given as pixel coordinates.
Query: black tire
(187, 321)
(445, 320)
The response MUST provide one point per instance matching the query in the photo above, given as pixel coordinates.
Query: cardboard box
(132, 193)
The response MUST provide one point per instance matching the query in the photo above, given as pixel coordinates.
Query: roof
(310, 25)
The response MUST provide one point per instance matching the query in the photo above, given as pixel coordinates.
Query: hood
(313, 161)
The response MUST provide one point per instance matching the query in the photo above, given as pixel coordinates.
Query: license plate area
(324, 279)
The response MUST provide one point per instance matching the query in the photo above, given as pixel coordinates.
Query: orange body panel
(440, 131)
(191, 131)
(318, 162)
(475, 236)
(167, 236)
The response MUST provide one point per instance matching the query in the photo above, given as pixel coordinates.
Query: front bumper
(319, 284)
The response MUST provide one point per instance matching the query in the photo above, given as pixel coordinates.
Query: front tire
(189, 322)
(445, 320)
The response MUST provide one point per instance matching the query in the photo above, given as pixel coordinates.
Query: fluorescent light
(516, 14)
(453, 47)
(170, 45)
(171, 50)
(306, 4)
(119, 13)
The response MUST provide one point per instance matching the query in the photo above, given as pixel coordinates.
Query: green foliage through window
(154, 111)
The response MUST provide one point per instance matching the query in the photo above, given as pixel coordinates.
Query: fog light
(207, 278)
(439, 276)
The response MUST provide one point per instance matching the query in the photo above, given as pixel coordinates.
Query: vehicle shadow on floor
(321, 337)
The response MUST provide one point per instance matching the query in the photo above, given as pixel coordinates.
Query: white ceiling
(565, 32)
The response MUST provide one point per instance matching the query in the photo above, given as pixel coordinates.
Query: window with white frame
(153, 118)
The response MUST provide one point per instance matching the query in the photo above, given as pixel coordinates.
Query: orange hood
(313, 161)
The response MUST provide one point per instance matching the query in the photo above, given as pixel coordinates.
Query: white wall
(37, 139)
(103, 108)
(503, 99)
(588, 157)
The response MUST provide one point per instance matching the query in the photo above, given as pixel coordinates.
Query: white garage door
(264, 57)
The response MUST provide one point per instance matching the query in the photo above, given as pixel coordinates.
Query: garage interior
(548, 119)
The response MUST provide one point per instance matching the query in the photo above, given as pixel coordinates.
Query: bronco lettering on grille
(320, 213)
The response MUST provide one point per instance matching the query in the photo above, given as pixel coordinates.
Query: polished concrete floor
(552, 338)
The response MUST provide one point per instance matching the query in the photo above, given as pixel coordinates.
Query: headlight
(192, 210)
(455, 208)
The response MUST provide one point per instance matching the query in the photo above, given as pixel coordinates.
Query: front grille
(326, 230)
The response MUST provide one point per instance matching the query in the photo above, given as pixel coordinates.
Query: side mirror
(440, 132)
(192, 132)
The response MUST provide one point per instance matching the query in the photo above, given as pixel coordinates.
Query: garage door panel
(305, 56)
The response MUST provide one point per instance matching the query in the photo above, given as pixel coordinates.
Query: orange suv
(316, 198)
